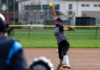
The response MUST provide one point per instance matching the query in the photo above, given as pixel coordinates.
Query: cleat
(66, 66)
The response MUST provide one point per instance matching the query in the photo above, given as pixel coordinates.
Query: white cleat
(66, 66)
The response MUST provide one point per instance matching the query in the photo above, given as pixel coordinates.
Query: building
(84, 8)
(9, 8)
(66, 9)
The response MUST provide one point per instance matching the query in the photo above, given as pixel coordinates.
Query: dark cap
(59, 20)
(2, 25)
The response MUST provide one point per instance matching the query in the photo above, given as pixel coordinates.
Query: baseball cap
(59, 20)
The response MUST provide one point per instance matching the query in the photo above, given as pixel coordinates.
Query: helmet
(3, 26)
(2, 17)
(41, 63)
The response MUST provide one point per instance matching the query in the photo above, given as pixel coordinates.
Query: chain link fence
(18, 12)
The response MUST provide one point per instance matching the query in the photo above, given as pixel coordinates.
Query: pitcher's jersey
(59, 33)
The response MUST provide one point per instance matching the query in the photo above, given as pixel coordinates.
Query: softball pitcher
(63, 45)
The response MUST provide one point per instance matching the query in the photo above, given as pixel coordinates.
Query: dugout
(85, 21)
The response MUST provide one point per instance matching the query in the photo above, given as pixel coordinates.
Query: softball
(51, 5)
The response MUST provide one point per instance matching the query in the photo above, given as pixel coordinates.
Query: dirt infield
(80, 58)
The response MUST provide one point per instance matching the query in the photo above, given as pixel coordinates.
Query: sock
(66, 60)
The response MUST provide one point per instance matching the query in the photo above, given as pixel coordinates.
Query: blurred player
(41, 63)
(11, 52)
(9, 29)
(63, 45)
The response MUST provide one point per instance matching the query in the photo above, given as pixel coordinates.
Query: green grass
(80, 38)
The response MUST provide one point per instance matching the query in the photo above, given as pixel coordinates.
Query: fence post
(30, 28)
(29, 32)
(96, 32)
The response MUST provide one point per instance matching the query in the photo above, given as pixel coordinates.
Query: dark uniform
(11, 55)
(11, 52)
(63, 44)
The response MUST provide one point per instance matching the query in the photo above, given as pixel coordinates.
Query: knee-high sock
(66, 60)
